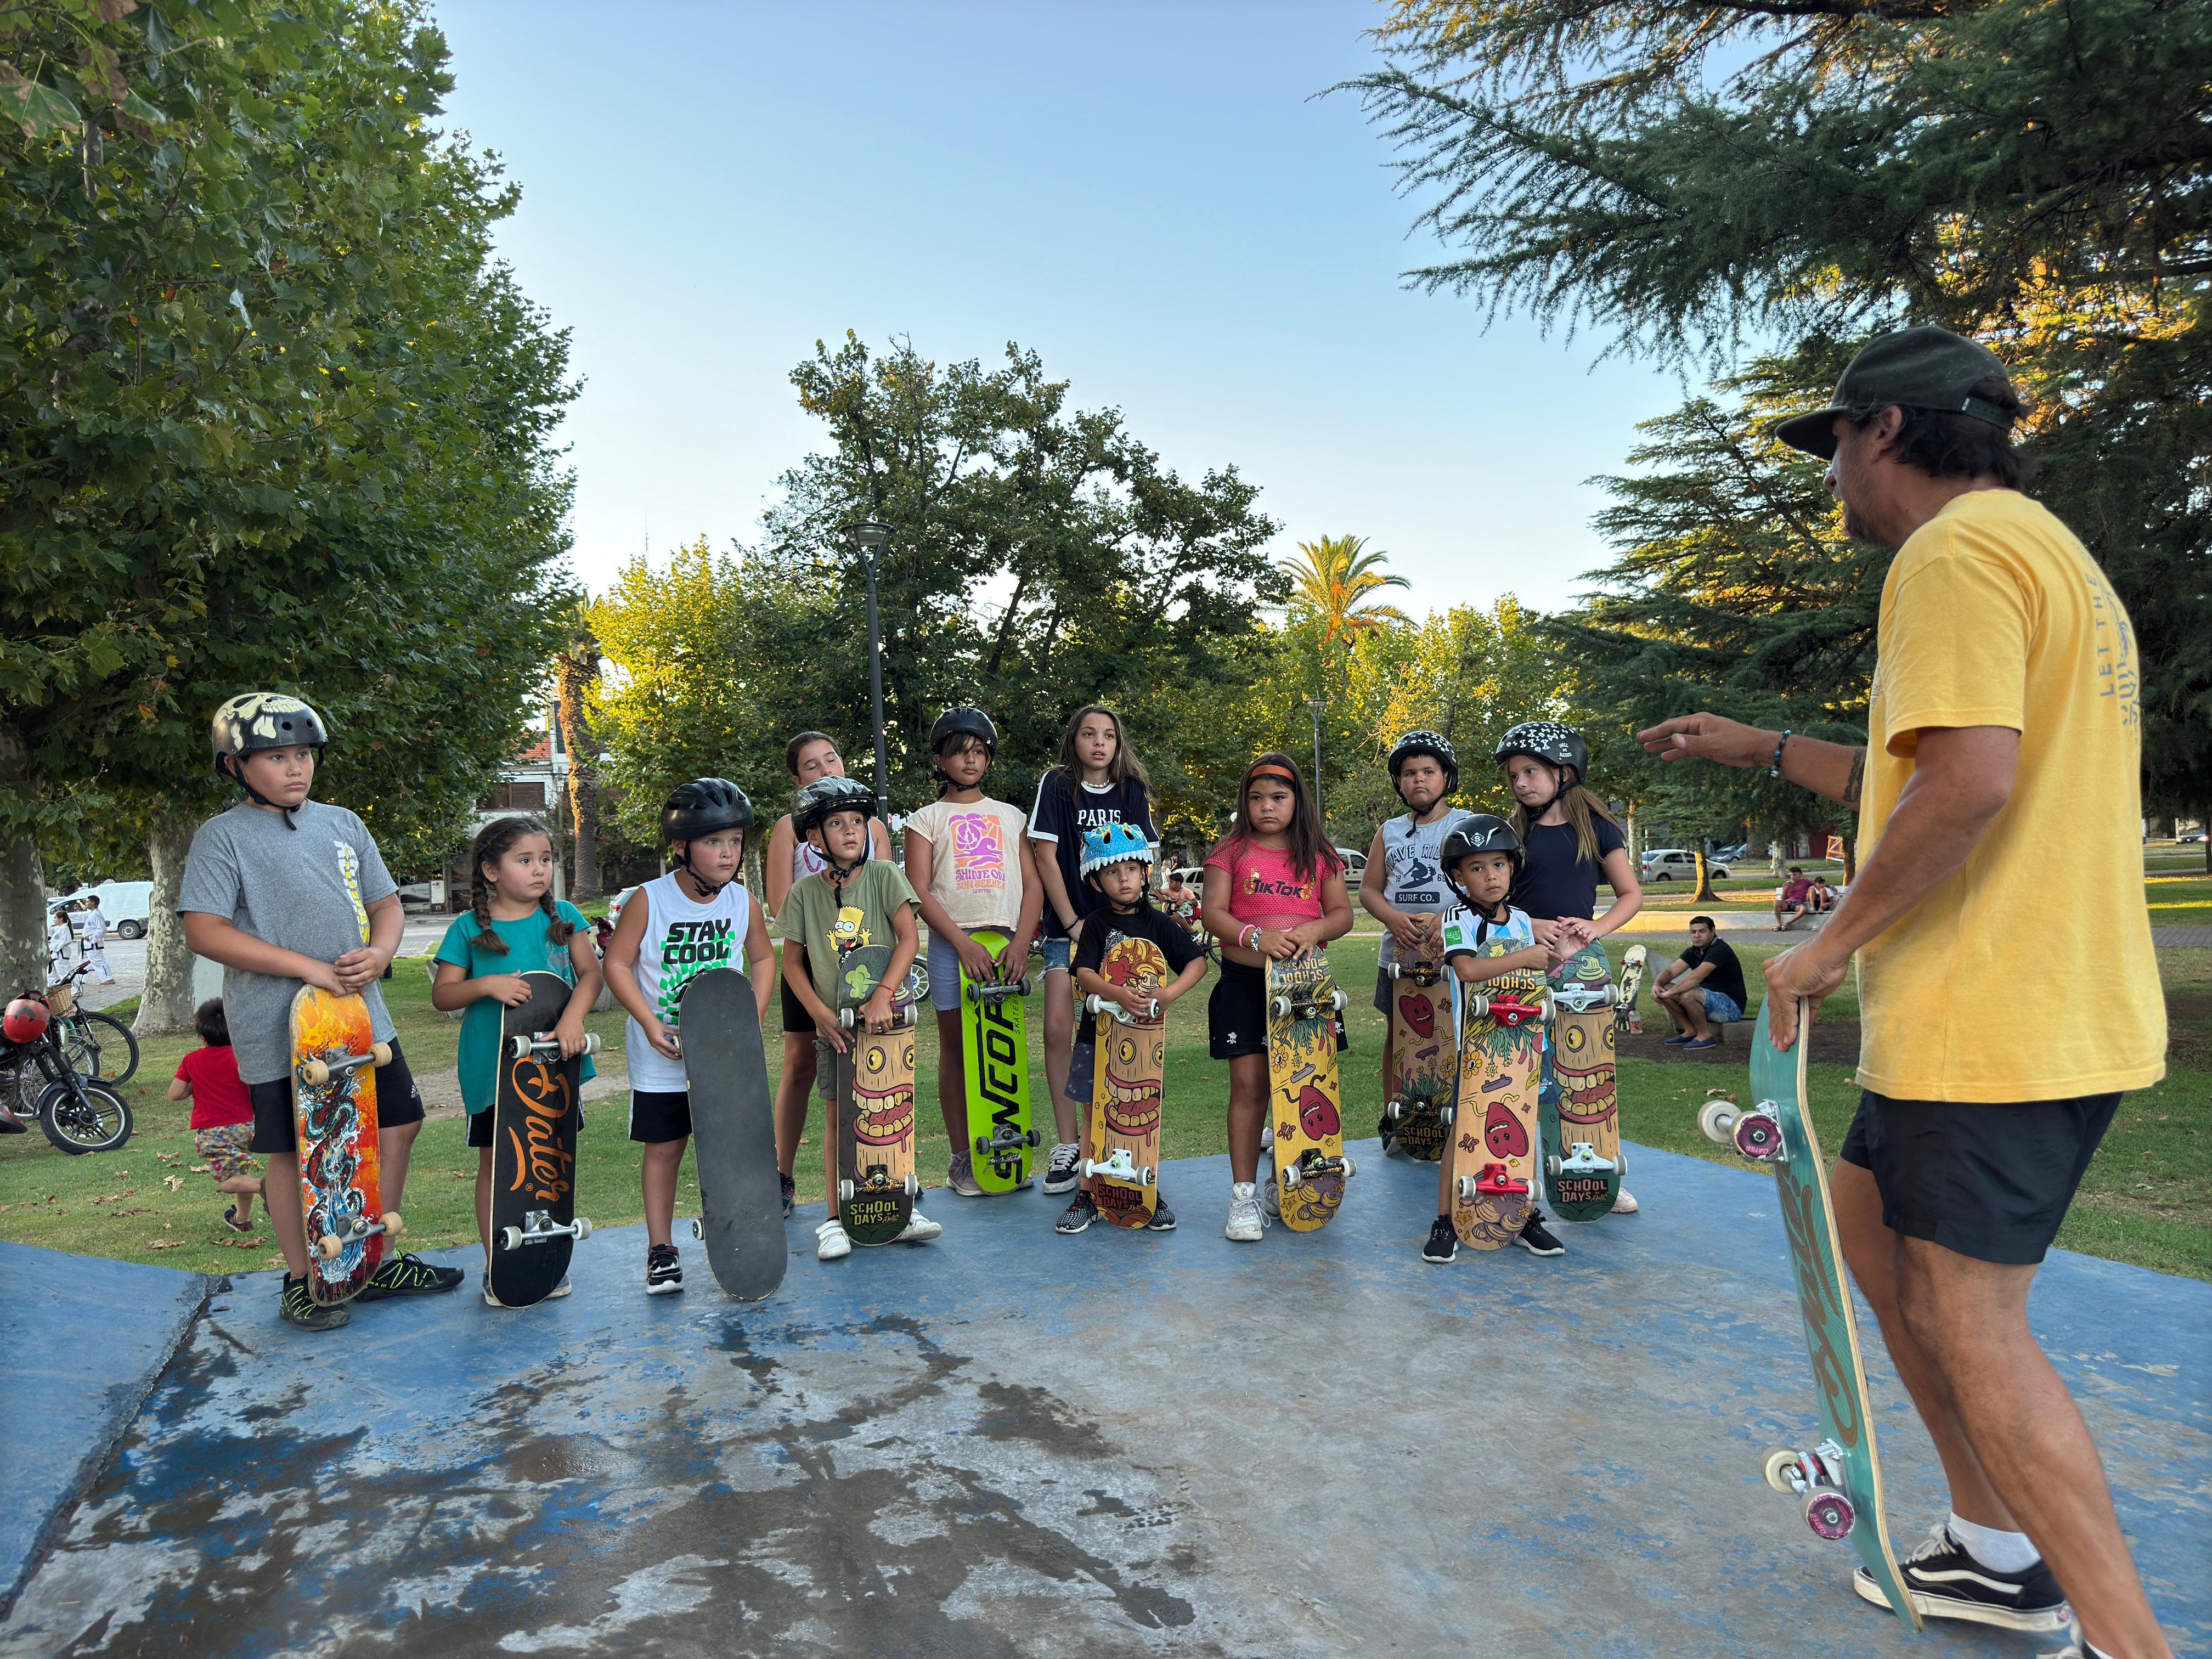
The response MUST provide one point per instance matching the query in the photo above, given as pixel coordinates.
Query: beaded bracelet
(1249, 937)
(1774, 766)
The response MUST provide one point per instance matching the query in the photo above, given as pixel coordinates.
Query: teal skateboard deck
(994, 1044)
(1838, 1481)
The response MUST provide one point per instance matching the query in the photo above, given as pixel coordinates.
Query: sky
(1151, 196)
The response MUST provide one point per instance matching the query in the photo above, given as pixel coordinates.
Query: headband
(1271, 770)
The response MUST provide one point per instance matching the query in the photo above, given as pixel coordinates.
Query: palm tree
(1333, 582)
(576, 670)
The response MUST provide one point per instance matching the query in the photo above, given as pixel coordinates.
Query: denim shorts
(1059, 954)
(1722, 1009)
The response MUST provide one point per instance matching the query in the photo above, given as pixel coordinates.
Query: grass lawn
(2147, 1198)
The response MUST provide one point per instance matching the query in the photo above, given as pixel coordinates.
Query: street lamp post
(1317, 704)
(867, 535)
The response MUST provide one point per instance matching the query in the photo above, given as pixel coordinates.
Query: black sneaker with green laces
(408, 1274)
(300, 1310)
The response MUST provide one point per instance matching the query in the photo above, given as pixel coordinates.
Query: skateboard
(1423, 1061)
(1122, 1131)
(534, 1114)
(1627, 1013)
(334, 1061)
(732, 1135)
(994, 1042)
(1838, 1481)
(1306, 1122)
(1492, 1126)
(1583, 1165)
(873, 1146)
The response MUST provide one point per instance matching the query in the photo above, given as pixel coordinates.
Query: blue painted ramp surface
(1011, 1443)
(81, 1341)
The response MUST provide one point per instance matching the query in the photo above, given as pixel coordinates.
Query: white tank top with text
(681, 938)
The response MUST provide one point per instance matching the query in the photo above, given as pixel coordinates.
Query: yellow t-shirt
(2028, 975)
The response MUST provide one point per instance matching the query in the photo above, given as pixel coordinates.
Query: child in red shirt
(222, 1113)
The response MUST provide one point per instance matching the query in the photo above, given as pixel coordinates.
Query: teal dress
(528, 951)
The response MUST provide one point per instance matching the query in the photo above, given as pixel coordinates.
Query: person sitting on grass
(1793, 900)
(1701, 989)
(222, 1114)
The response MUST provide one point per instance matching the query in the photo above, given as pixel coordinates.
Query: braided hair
(491, 846)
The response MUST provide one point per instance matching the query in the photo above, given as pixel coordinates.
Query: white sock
(2000, 1552)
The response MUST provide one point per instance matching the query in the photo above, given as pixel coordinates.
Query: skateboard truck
(1504, 1012)
(1418, 976)
(1120, 1166)
(1286, 1008)
(1581, 999)
(538, 1227)
(1000, 1143)
(878, 1180)
(1757, 1133)
(1312, 1162)
(315, 1073)
(1816, 1476)
(974, 992)
(901, 1016)
(358, 1230)
(546, 1046)
(1581, 1159)
(1496, 1180)
(1104, 1006)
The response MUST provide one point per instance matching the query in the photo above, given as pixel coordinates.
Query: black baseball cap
(1922, 367)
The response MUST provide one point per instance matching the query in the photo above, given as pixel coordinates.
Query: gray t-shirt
(306, 889)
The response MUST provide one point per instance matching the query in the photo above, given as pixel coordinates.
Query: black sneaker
(301, 1309)
(1078, 1215)
(1060, 1171)
(663, 1272)
(1443, 1244)
(1386, 1133)
(1163, 1219)
(1947, 1582)
(1536, 1239)
(406, 1275)
(790, 1193)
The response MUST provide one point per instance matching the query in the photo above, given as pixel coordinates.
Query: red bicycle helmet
(26, 1018)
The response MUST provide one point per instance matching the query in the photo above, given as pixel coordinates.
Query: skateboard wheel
(1446, 1114)
(1089, 1168)
(1291, 1177)
(982, 1143)
(1716, 1118)
(913, 1184)
(1759, 1136)
(1351, 1169)
(315, 1073)
(1775, 1469)
(698, 1229)
(393, 1227)
(1390, 1111)
(380, 1053)
(845, 1192)
(1336, 1002)
(1830, 1515)
(845, 1017)
(1551, 1165)
(329, 1245)
(583, 1228)
(1145, 1179)
(1033, 1138)
(1280, 1007)
(510, 1238)
(592, 1044)
(1620, 1164)
(1467, 1194)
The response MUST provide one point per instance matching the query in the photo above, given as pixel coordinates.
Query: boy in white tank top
(674, 927)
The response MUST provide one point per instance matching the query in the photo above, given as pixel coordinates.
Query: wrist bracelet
(1249, 937)
(1774, 766)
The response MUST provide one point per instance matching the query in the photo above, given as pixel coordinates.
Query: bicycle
(95, 1041)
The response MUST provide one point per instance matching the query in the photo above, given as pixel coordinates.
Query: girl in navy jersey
(1098, 780)
(1569, 840)
(809, 755)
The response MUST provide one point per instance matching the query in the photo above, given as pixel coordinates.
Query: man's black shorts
(1989, 1181)
(398, 1102)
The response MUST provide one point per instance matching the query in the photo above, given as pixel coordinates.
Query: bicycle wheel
(102, 1047)
(79, 1115)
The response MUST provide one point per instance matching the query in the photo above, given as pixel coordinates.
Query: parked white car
(128, 905)
(1676, 863)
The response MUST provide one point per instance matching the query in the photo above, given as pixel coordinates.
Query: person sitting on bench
(1702, 989)
(1793, 900)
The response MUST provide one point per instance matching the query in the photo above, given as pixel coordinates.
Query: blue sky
(1148, 195)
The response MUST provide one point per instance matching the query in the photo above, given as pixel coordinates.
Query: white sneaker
(832, 1240)
(1246, 1223)
(1625, 1204)
(919, 1230)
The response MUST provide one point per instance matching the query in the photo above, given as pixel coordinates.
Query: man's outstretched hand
(1708, 737)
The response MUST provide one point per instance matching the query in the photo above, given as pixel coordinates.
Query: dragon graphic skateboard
(994, 1042)
(334, 1060)
(1838, 1481)
(733, 1134)
(1122, 1131)
(534, 1115)
(1423, 1061)
(1627, 1013)
(1305, 1121)
(1492, 1128)
(873, 1146)
(1580, 1118)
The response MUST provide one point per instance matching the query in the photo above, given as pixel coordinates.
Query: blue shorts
(944, 962)
(1722, 1009)
(1059, 954)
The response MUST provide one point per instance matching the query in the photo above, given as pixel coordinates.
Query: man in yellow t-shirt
(2008, 989)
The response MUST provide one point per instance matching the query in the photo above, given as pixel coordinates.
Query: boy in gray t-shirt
(283, 891)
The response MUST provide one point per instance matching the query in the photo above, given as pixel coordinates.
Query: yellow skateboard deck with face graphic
(1305, 1121)
(1122, 1131)
(1493, 1127)
(876, 1182)
(1423, 1059)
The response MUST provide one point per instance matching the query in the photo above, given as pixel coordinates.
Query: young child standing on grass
(1117, 863)
(853, 901)
(285, 891)
(790, 858)
(1097, 780)
(514, 926)
(674, 927)
(967, 858)
(222, 1116)
(1274, 888)
(1480, 857)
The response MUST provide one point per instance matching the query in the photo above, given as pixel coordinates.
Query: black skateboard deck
(534, 1114)
(732, 1135)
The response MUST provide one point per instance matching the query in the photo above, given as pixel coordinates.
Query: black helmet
(819, 799)
(254, 720)
(966, 720)
(1485, 832)
(1434, 743)
(702, 806)
(1547, 740)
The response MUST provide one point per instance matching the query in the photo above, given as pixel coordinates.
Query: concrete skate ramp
(1011, 1443)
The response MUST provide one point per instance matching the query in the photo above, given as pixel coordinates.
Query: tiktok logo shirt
(1264, 887)
(683, 938)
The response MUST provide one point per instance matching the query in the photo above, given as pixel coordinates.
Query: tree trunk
(1777, 865)
(23, 919)
(1704, 894)
(165, 1007)
(577, 670)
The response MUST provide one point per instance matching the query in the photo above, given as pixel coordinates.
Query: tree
(1333, 582)
(576, 671)
(1681, 177)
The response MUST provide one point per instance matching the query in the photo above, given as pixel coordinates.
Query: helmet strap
(236, 773)
(713, 889)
